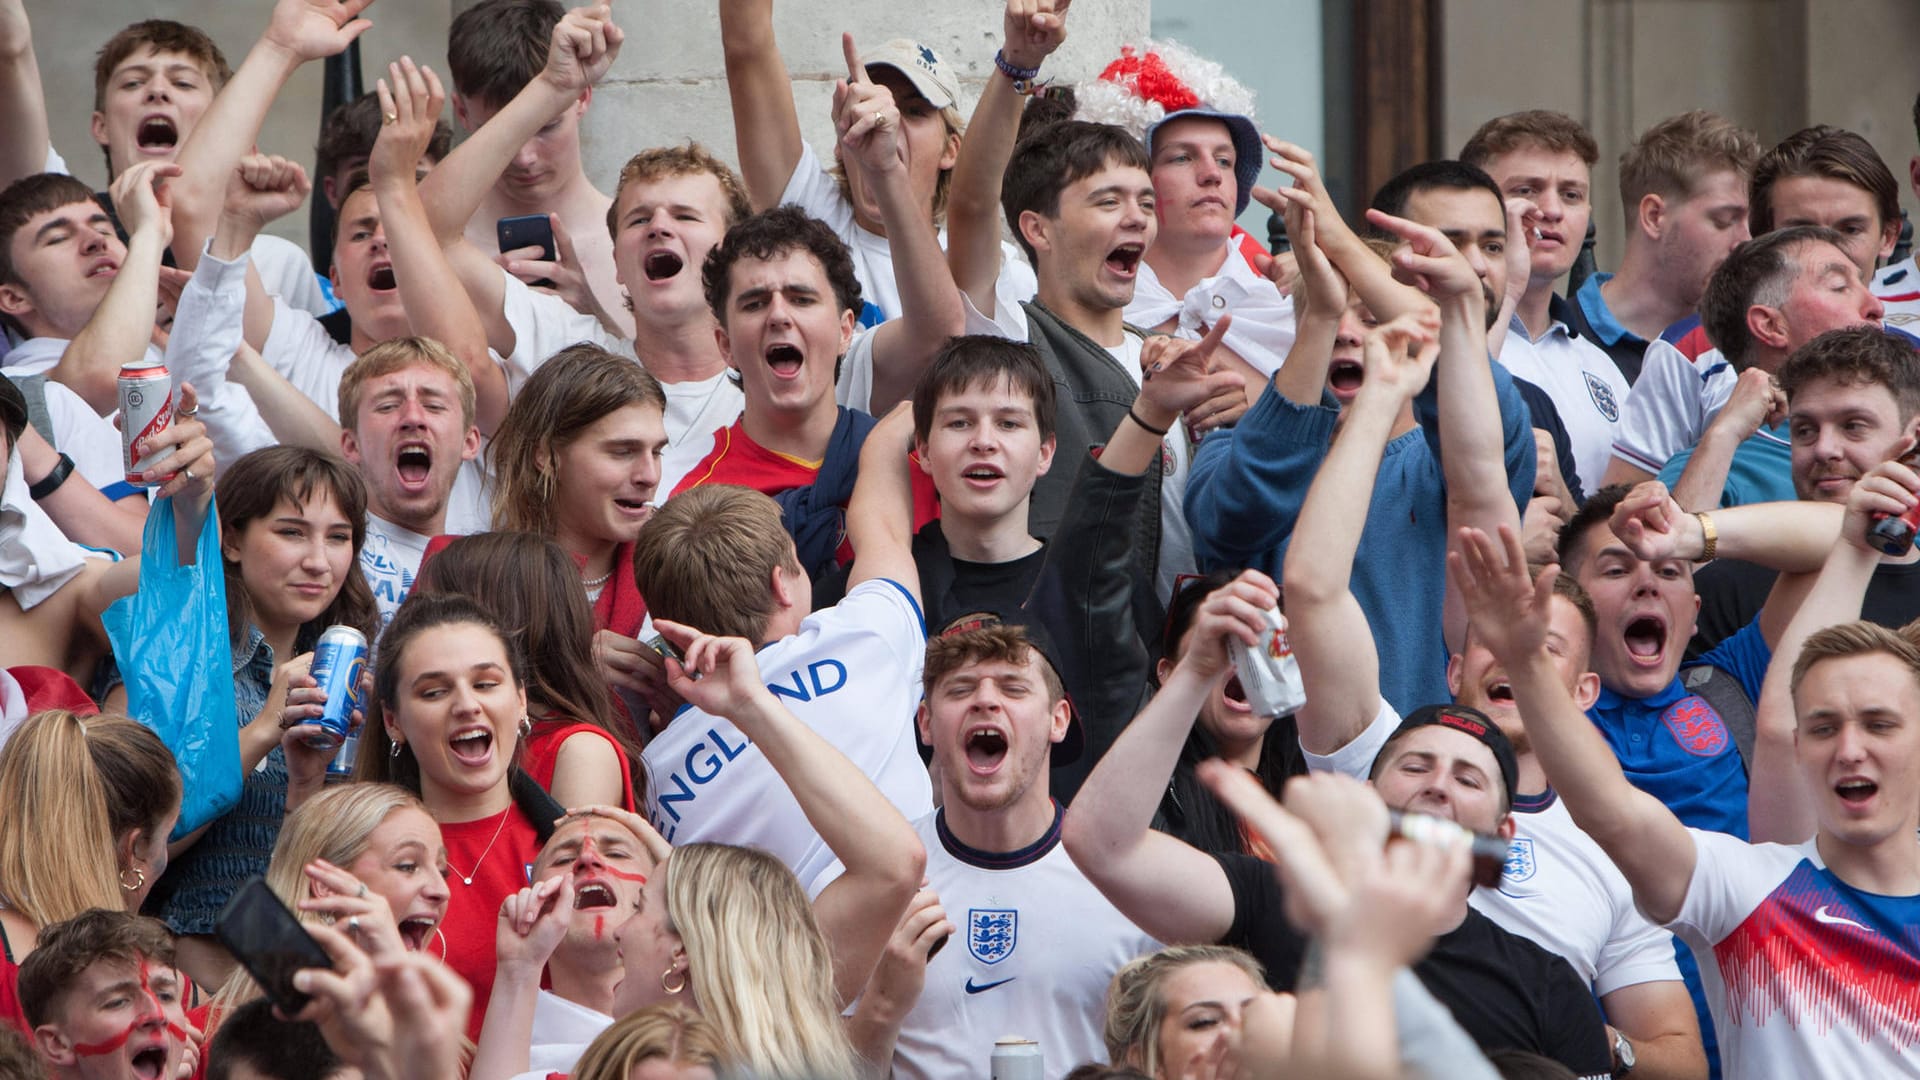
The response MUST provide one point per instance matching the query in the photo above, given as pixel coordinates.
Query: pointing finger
(856, 71)
(1212, 340)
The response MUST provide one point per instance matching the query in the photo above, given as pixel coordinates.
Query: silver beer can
(1015, 1058)
(146, 410)
(1269, 675)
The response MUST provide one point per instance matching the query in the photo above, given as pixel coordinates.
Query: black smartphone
(528, 230)
(269, 943)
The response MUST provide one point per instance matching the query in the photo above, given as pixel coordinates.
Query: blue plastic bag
(170, 640)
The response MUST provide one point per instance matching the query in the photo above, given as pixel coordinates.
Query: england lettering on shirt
(852, 673)
(390, 559)
(1807, 976)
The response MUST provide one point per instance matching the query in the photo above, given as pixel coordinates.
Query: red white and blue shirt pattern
(1807, 976)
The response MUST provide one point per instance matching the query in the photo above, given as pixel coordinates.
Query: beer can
(1015, 1058)
(338, 660)
(342, 763)
(1269, 675)
(146, 410)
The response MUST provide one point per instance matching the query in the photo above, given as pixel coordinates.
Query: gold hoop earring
(139, 878)
(671, 989)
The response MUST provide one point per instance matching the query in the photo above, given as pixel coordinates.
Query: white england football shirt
(1034, 947)
(1807, 976)
(1585, 384)
(852, 674)
(1560, 890)
(1682, 386)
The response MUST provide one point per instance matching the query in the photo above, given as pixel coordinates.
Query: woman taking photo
(366, 857)
(528, 582)
(451, 693)
(90, 801)
(292, 522)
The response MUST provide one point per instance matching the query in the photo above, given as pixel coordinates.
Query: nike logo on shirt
(984, 987)
(1821, 915)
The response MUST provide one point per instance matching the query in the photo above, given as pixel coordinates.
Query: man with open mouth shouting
(104, 999)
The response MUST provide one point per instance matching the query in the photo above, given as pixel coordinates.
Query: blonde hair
(673, 1032)
(688, 159)
(1136, 1005)
(707, 556)
(572, 390)
(72, 786)
(334, 825)
(1673, 155)
(398, 355)
(1858, 639)
(758, 964)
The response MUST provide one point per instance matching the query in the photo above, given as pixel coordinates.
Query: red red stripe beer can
(146, 410)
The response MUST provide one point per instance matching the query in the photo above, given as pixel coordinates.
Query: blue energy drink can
(338, 661)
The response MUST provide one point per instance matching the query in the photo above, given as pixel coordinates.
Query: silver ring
(362, 894)
(190, 477)
(353, 925)
(195, 411)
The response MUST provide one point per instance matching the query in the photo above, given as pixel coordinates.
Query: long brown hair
(574, 389)
(253, 486)
(377, 760)
(529, 582)
(72, 786)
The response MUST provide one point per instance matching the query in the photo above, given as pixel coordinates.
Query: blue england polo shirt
(1674, 746)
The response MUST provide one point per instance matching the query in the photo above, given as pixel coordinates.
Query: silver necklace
(467, 879)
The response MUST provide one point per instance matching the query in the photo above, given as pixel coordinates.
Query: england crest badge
(992, 933)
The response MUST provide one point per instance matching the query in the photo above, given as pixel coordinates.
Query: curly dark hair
(770, 234)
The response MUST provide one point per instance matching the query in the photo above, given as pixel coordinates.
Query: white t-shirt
(1673, 401)
(1898, 287)
(389, 561)
(1263, 320)
(815, 190)
(88, 438)
(852, 673)
(983, 986)
(543, 324)
(1585, 384)
(562, 1030)
(1560, 890)
(36, 558)
(1807, 977)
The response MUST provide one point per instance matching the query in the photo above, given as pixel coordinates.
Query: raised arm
(297, 31)
(122, 324)
(1791, 537)
(1031, 31)
(1339, 663)
(880, 514)
(882, 855)
(1171, 889)
(84, 514)
(1472, 432)
(1371, 278)
(766, 125)
(1756, 402)
(584, 45)
(1319, 304)
(436, 304)
(1780, 809)
(1509, 609)
(930, 309)
(24, 138)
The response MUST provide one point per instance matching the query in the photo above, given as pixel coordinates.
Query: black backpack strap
(1728, 698)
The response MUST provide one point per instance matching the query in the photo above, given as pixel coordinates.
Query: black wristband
(51, 482)
(1144, 426)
